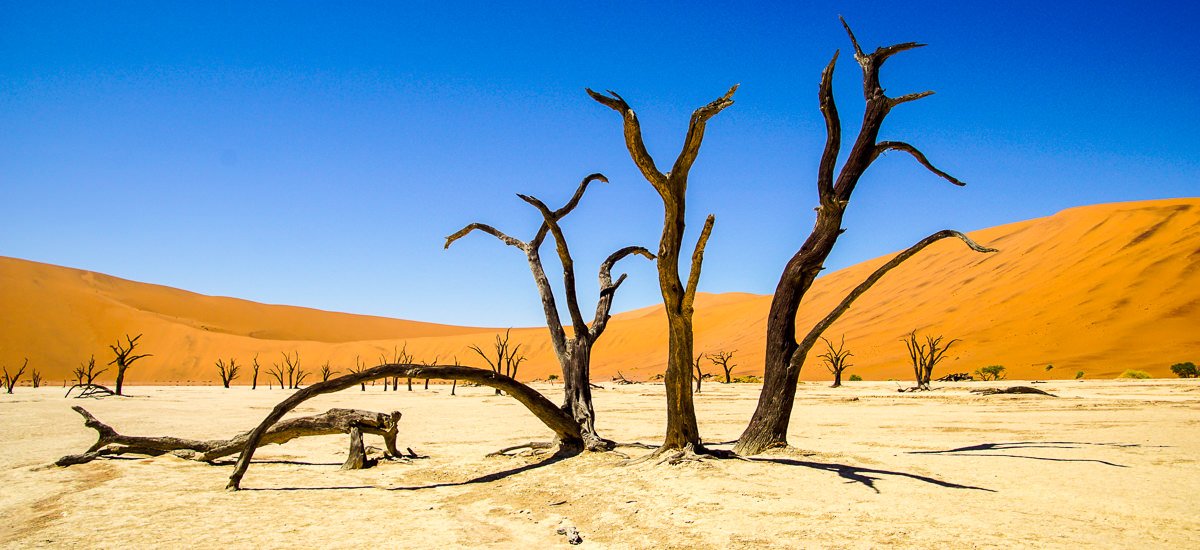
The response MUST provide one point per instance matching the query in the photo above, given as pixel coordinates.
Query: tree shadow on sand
(975, 450)
(865, 476)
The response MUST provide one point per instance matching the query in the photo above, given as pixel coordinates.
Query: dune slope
(1097, 289)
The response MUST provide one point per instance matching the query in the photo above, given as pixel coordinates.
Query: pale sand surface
(1108, 464)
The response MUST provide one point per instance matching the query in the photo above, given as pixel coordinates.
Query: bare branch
(841, 308)
(885, 146)
(571, 204)
(833, 133)
(858, 53)
(633, 138)
(910, 97)
(486, 229)
(608, 288)
(695, 133)
(689, 292)
(564, 256)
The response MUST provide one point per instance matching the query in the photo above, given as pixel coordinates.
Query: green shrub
(991, 372)
(1185, 370)
(855, 378)
(1138, 374)
(748, 379)
(1078, 375)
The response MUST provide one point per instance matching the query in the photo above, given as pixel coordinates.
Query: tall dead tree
(125, 358)
(10, 380)
(683, 433)
(227, 372)
(925, 356)
(784, 354)
(836, 359)
(565, 428)
(254, 381)
(722, 359)
(574, 353)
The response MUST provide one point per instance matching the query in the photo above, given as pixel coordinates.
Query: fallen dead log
(334, 421)
(90, 390)
(956, 377)
(1013, 389)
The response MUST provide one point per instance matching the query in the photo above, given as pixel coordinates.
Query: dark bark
(125, 358)
(784, 355)
(574, 353)
(682, 429)
(722, 359)
(333, 421)
(565, 428)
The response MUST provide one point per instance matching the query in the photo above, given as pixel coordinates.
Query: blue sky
(317, 154)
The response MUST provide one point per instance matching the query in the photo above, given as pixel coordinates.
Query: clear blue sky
(317, 154)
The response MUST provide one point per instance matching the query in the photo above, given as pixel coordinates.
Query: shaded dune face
(1098, 289)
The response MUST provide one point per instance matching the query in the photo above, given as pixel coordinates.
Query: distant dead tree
(835, 359)
(508, 358)
(124, 358)
(785, 354)
(10, 380)
(358, 367)
(925, 356)
(399, 357)
(698, 374)
(86, 373)
(227, 372)
(36, 378)
(254, 381)
(326, 372)
(722, 359)
(683, 432)
(574, 354)
(279, 373)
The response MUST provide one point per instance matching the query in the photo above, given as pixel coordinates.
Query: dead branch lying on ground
(89, 390)
(1013, 389)
(333, 421)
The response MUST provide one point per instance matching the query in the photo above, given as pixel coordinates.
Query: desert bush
(1078, 375)
(855, 378)
(1138, 374)
(991, 372)
(1185, 370)
(748, 379)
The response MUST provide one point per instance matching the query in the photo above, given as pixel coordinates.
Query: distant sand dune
(1098, 289)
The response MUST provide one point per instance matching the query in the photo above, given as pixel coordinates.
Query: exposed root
(534, 447)
(689, 453)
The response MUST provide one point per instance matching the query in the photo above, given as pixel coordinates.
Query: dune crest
(1098, 289)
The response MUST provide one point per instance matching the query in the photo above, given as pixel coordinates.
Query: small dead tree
(10, 380)
(358, 367)
(399, 357)
(227, 372)
(86, 373)
(124, 358)
(785, 355)
(683, 432)
(835, 359)
(722, 359)
(925, 356)
(698, 374)
(574, 354)
(36, 378)
(507, 358)
(327, 371)
(254, 381)
(279, 373)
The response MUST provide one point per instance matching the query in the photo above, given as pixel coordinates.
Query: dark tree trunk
(577, 391)
(837, 379)
(784, 355)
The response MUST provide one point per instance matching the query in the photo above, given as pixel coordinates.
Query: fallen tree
(1012, 389)
(334, 421)
(565, 428)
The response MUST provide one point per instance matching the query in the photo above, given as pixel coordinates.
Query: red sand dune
(1098, 289)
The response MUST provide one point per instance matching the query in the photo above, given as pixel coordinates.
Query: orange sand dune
(1097, 289)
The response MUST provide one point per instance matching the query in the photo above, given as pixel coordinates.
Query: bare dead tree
(698, 375)
(836, 359)
(86, 373)
(399, 357)
(722, 359)
(327, 371)
(784, 354)
(358, 367)
(333, 421)
(563, 425)
(279, 373)
(227, 372)
(505, 353)
(683, 433)
(925, 356)
(10, 380)
(125, 358)
(254, 381)
(574, 353)
(36, 378)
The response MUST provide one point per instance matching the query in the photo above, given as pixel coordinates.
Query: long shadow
(971, 450)
(558, 456)
(856, 474)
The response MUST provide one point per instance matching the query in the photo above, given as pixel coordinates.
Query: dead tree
(1012, 390)
(835, 359)
(10, 380)
(294, 372)
(683, 433)
(785, 355)
(254, 381)
(36, 378)
(333, 421)
(399, 357)
(722, 359)
(279, 373)
(358, 367)
(925, 356)
(699, 374)
(227, 372)
(574, 353)
(86, 373)
(566, 430)
(125, 358)
(327, 371)
(506, 356)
